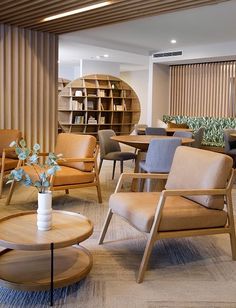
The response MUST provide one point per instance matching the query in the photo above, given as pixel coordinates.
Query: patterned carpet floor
(182, 273)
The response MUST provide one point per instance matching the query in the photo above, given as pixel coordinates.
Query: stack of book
(92, 120)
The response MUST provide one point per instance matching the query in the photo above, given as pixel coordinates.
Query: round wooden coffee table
(40, 260)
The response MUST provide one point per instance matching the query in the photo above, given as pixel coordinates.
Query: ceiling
(206, 29)
(30, 13)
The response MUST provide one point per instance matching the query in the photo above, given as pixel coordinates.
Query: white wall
(138, 80)
(158, 100)
(90, 67)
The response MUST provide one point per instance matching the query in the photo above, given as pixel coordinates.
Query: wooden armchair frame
(4, 172)
(155, 235)
(96, 181)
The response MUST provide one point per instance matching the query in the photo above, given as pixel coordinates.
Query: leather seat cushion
(179, 213)
(9, 164)
(66, 176)
(119, 156)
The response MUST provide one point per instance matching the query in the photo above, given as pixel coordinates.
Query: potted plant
(39, 178)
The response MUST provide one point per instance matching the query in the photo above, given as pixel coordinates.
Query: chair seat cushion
(9, 164)
(178, 214)
(66, 176)
(119, 156)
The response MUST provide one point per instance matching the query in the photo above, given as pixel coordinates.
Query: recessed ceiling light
(173, 41)
(98, 57)
(106, 56)
(81, 10)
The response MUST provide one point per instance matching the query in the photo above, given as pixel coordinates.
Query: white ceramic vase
(44, 212)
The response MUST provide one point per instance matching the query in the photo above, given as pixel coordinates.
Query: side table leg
(52, 268)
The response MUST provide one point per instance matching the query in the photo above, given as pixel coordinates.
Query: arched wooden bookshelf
(96, 102)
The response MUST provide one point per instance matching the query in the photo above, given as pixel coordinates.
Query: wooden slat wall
(28, 84)
(203, 89)
(29, 14)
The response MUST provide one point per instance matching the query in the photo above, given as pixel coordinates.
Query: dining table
(169, 130)
(141, 142)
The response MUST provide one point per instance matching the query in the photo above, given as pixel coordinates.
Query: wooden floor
(183, 273)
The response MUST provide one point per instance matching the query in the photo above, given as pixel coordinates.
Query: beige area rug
(182, 273)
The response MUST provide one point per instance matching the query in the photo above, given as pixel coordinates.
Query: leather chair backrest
(200, 169)
(6, 137)
(76, 146)
(107, 145)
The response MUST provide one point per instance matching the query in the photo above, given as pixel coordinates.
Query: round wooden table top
(142, 141)
(19, 231)
(170, 130)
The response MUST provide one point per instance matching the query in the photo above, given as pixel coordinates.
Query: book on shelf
(101, 106)
(102, 93)
(75, 105)
(90, 105)
(118, 107)
(102, 120)
(92, 120)
(79, 120)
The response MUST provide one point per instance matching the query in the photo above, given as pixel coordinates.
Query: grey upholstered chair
(230, 143)
(110, 150)
(197, 201)
(155, 131)
(183, 134)
(198, 137)
(159, 156)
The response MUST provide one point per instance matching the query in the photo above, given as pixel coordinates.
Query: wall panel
(28, 84)
(203, 89)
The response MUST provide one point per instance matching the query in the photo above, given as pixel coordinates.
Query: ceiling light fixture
(173, 41)
(106, 56)
(81, 10)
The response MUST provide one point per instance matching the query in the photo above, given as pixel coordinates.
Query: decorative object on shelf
(78, 93)
(40, 180)
(104, 96)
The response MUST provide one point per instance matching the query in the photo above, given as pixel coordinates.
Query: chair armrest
(9, 150)
(192, 192)
(125, 176)
(75, 160)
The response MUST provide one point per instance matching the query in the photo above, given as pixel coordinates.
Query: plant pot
(44, 212)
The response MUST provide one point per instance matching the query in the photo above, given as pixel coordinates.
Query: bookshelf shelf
(98, 102)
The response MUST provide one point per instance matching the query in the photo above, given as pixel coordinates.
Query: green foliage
(214, 127)
(42, 172)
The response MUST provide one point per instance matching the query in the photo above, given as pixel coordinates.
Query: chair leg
(121, 166)
(99, 193)
(100, 165)
(145, 259)
(233, 244)
(10, 193)
(105, 227)
(113, 171)
(1, 184)
(67, 191)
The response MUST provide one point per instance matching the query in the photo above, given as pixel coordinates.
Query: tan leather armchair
(8, 158)
(197, 201)
(78, 164)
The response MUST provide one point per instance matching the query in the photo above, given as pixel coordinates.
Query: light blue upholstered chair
(159, 156)
(155, 131)
(110, 150)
